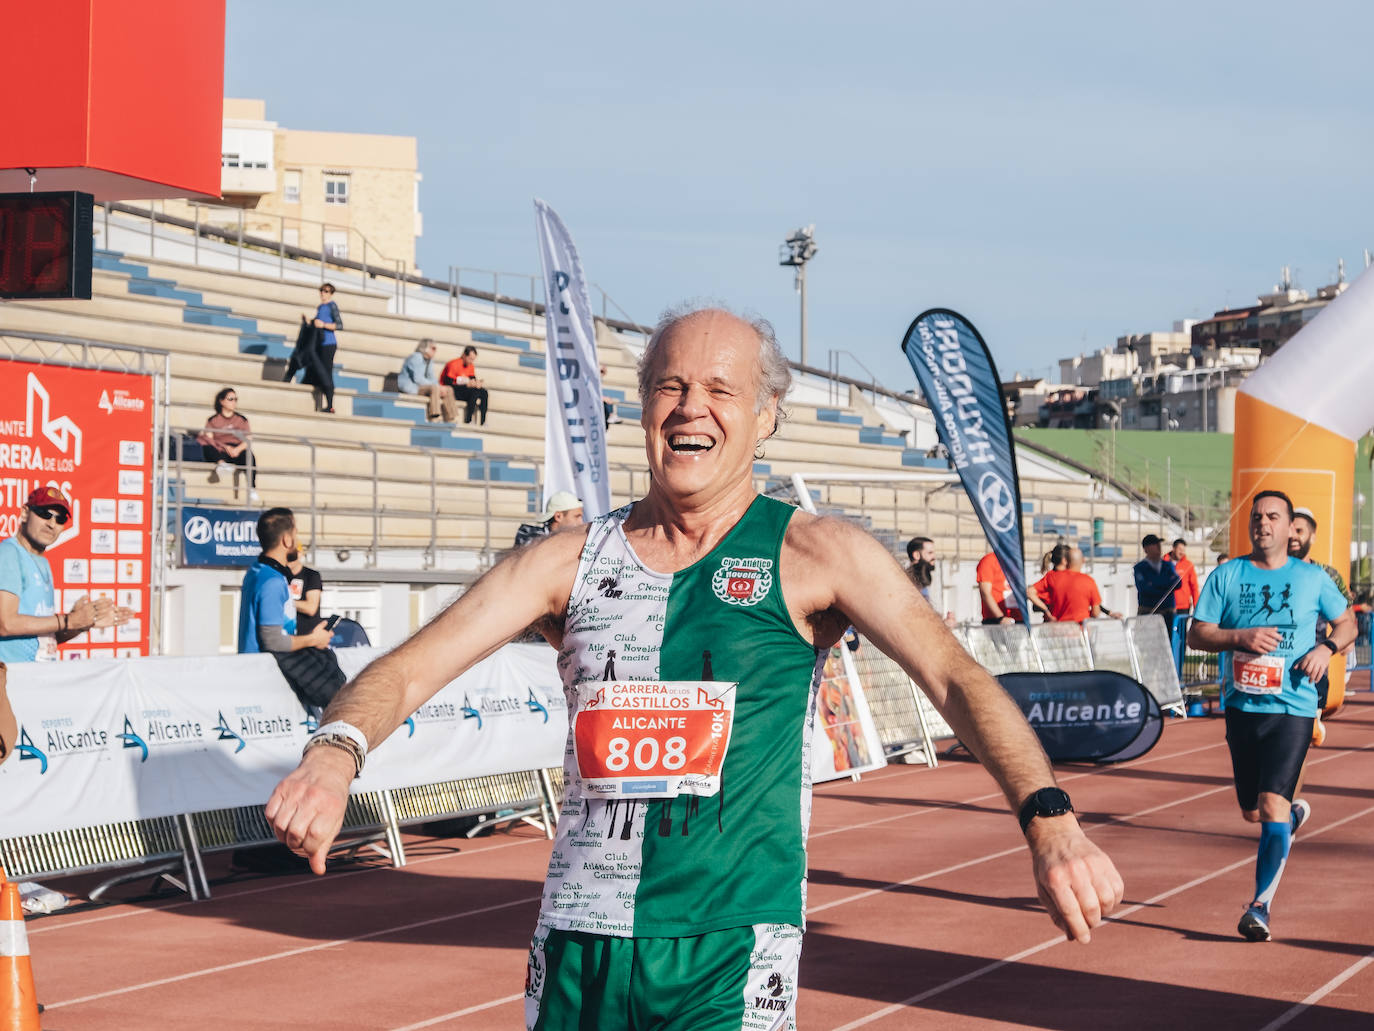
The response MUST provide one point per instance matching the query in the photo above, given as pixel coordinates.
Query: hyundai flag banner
(218, 537)
(574, 424)
(959, 380)
(1093, 716)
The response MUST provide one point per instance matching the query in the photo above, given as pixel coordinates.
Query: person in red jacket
(1186, 595)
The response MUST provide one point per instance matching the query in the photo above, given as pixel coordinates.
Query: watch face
(1052, 802)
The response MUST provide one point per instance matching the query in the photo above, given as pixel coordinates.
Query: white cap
(560, 501)
(1307, 512)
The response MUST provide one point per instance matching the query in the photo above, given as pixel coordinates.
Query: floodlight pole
(796, 251)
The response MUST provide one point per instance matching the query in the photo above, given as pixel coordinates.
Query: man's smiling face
(700, 420)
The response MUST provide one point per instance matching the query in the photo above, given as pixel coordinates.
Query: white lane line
(1321, 993)
(1129, 911)
(292, 952)
(943, 806)
(45, 927)
(999, 855)
(461, 1013)
(311, 881)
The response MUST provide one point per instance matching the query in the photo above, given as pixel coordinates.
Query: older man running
(675, 893)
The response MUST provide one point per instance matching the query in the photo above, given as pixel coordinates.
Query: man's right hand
(82, 615)
(1006, 621)
(1258, 640)
(306, 810)
(319, 637)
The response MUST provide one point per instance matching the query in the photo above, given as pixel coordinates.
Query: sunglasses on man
(44, 512)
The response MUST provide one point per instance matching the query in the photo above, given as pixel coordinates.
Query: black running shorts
(1267, 753)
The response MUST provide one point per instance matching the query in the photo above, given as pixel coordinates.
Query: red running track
(922, 914)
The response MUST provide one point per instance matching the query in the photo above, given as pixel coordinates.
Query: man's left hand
(1315, 663)
(1077, 882)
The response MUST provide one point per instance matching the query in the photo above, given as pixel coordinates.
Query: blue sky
(1059, 173)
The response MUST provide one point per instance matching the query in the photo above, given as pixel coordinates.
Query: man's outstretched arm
(1076, 881)
(306, 810)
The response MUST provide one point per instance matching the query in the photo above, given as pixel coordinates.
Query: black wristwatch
(1330, 644)
(1045, 802)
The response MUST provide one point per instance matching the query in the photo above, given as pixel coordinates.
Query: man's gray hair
(424, 345)
(774, 375)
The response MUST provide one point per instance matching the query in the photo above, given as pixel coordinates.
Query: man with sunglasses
(30, 627)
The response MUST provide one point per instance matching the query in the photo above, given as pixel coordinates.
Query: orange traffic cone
(18, 998)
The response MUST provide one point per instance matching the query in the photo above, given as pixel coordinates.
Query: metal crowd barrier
(908, 723)
(1361, 659)
(165, 846)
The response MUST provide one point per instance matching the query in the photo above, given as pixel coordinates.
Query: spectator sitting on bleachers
(460, 375)
(417, 377)
(225, 441)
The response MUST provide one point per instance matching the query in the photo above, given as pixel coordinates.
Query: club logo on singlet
(743, 581)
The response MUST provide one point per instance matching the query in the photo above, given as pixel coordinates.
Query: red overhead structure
(122, 99)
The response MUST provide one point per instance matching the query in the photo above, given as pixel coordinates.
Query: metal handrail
(451, 287)
(835, 353)
(367, 270)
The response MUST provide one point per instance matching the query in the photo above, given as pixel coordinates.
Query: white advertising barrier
(109, 740)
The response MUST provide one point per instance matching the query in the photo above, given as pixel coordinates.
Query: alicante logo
(132, 740)
(470, 713)
(28, 750)
(535, 705)
(997, 502)
(743, 581)
(227, 734)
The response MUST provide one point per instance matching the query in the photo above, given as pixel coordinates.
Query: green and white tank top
(673, 867)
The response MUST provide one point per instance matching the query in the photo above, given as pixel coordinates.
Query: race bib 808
(657, 739)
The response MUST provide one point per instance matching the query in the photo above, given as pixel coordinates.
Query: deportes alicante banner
(101, 742)
(89, 433)
(959, 380)
(574, 424)
(1093, 716)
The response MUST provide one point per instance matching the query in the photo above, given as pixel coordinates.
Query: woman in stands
(461, 375)
(226, 442)
(327, 319)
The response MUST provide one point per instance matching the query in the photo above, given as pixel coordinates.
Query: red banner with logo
(89, 433)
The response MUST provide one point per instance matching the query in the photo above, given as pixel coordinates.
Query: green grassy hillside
(1198, 465)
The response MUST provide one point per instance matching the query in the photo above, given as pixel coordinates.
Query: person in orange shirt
(993, 591)
(1070, 593)
(1186, 595)
(461, 375)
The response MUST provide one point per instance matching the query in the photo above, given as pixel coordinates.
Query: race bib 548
(1258, 674)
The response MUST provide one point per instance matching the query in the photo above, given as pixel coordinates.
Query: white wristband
(343, 729)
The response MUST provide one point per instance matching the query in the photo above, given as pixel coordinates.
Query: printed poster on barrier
(89, 433)
(654, 740)
(845, 739)
(115, 740)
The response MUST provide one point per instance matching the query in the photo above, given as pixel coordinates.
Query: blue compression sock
(1275, 840)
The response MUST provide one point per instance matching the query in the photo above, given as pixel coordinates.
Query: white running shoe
(37, 899)
(253, 498)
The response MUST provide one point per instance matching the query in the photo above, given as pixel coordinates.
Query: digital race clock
(45, 244)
